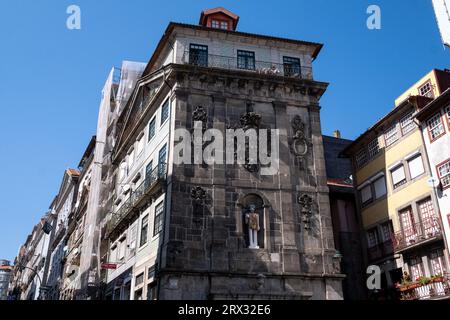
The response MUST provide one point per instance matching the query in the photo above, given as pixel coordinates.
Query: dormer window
(219, 18)
(218, 24)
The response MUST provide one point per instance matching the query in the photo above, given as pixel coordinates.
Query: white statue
(252, 221)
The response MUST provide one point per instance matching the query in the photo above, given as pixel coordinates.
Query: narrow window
(144, 231)
(159, 218)
(165, 110)
(152, 129)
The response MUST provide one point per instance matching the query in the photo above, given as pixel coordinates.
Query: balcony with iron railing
(419, 233)
(137, 197)
(434, 288)
(260, 67)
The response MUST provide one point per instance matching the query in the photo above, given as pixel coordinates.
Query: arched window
(253, 221)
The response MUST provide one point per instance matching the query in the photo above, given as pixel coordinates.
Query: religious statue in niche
(252, 221)
(198, 196)
(299, 143)
(306, 210)
(199, 114)
(250, 120)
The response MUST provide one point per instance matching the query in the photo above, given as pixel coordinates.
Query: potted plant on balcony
(423, 281)
(437, 278)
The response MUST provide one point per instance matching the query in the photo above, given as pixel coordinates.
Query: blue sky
(51, 77)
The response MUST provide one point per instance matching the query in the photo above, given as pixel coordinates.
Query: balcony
(137, 198)
(260, 67)
(419, 233)
(435, 288)
(381, 250)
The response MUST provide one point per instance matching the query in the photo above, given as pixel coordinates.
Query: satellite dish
(433, 182)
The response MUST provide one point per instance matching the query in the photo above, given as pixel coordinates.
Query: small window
(444, 174)
(215, 24)
(246, 60)
(159, 218)
(162, 161)
(366, 195)
(151, 273)
(407, 123)
(139, 279)
(380, 187)
(224, 25)
(140, 145)
(387, 231)
(361, 158)
(122, 247)
(138, 294)
(151, 129)
(416, 166)
(391, 135)
(426, 90)
(398, 176)
(435, 127)
(132, 238)
(130, 160)
(374, 148)
(122, 171)
(151, 291)
(165, 110)
(144, 231)
(372, 237)
(291, 66)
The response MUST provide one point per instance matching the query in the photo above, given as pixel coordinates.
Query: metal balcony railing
(137, 195)
(261, 67)
(425, 230)
(437, 288)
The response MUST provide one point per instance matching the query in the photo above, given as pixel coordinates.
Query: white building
(435, 124)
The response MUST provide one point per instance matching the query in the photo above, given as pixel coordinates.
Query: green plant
(424, 280)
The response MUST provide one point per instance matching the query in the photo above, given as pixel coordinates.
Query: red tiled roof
(73, 172)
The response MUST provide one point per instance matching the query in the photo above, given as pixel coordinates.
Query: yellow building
(398, 208)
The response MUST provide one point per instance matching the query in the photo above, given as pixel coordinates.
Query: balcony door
(409, 228)
(198, 55)
(162, 161)
(291, 67)
(148, 174)
(428, 219)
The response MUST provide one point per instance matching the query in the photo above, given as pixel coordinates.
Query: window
(291, 66)
(151, 273)
(215, 24)
(366, 195)
(391, 135)
(380, 187)
(387, 231)
(151, 129)
(437, 263)
(374, 148)
(140, 145)
(130, 160)
(435, 127)
(416, 166)
(428, 218)
(426, 90)
(398, 176)
(159, 216)
(138, 295)
(122, 170)
(416, 268)
(151, 291)
(408, 225)
(132, 238)
(444, 174)
(224, 25)
(372, 237)
(122, 246)
(113, 256)
(162, 161)
(165, 110)
(407, 123)
(144, 231)
(245, 60)
(198, 55)
(139, 279)
(361, 158)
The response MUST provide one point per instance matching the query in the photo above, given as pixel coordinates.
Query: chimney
(337, 134)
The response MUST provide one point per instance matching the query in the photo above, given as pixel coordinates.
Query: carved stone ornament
(250, 120)
(299, 144)
(199, 114)
(306, 209)
(198, 194)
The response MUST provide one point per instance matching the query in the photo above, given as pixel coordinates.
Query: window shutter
(366, 194)
(398, 175)
(416, 167)
(380, 187)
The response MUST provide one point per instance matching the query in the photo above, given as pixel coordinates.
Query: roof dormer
(219, 18)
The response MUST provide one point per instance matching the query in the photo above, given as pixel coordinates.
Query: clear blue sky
(51, 77)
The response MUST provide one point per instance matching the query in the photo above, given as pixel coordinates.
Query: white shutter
(380, 187)
(398, 175)
(416, 167)
(366, 194)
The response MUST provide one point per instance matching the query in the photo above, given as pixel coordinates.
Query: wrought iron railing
(427, 229)
(233, 63)
(432, 288)
(158, 174)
